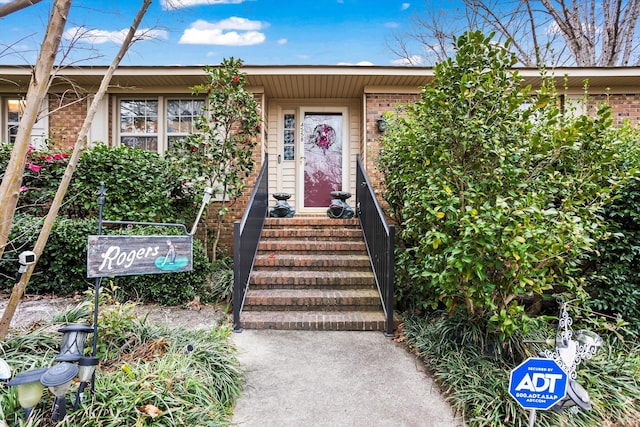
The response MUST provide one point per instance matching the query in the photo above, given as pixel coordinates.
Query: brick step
(318, 262)
(305, 299)
(310, 246)
(305, 279)
(315, 320)
(310, 222)
(328, 233)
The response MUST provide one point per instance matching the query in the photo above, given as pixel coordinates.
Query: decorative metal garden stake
(567, 355)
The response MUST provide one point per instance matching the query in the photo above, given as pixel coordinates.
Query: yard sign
(538, 383)
(127, 255)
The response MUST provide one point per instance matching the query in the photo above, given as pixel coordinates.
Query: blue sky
(197, 32)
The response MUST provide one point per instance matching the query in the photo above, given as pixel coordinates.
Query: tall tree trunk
(19, 288)
(38, 87)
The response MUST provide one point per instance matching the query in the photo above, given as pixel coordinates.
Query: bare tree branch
(38, 87)
(542, 32)
(16, 5)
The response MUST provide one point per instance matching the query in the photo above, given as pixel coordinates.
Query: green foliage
(478, 386)
(140, 186)
(219, 153)
(495, 190)
(62, 268)
(613, 269)
(222, 280)
(191, 377)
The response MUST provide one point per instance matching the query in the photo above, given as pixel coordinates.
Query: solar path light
(73, 339)
(29, 389)
(58, 378)
(86, 366)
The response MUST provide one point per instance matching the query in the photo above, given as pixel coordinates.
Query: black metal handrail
(379, 237)
(246, 236)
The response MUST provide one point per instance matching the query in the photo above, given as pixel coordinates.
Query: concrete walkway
(319, 378)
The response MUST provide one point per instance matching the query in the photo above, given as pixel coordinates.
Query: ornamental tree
(496, 190)
(219, 152)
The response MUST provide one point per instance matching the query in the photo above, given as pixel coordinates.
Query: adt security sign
(538, 383)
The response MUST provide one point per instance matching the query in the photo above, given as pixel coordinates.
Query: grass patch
(475, 377)
(148, 374)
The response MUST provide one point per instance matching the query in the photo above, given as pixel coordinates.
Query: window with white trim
(139, 123)
(181, 117)
(155, 123)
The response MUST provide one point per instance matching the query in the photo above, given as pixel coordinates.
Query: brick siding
(377, 104)
(66, 120)
(624, 107)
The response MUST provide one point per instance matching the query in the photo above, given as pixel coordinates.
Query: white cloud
(412, 60)
(283, 41)
(233, 31)
(405, 6)
(103, 36)
(363, 63)
(179, 4)
(391, 25)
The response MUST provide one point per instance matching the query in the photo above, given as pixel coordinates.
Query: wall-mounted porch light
(29, 389)
(382, 124)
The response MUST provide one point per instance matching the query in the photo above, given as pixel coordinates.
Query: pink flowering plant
(44, 168)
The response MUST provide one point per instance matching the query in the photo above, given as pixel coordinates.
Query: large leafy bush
(43, 172)
(62, 268)
(496, 191)
(613, 269)
(140, 186)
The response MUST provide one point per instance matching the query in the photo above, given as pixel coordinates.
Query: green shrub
(169, 288)
(139, 185)
(62, 268)
(613, 269)
(222, 280)
(43, 172)
(495, 190)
